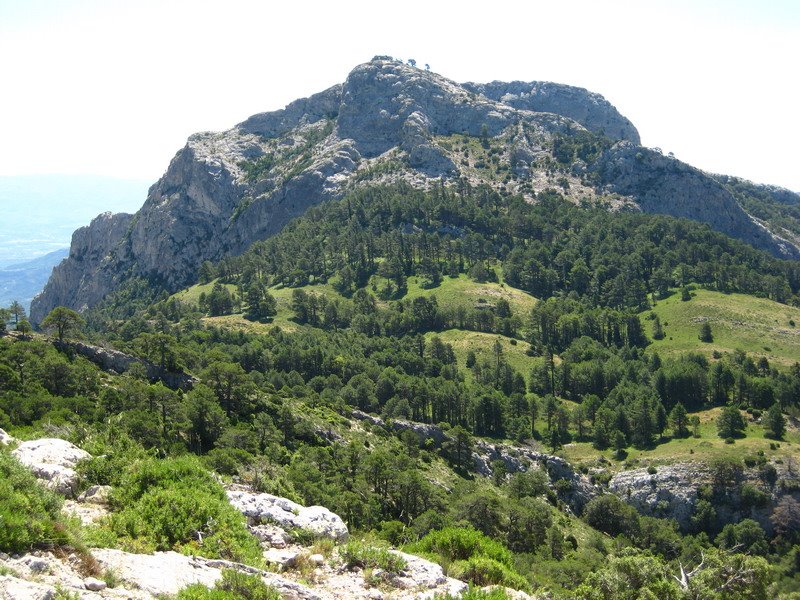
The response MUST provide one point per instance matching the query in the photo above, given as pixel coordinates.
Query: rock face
(53, 461)
(587, 108)
(114, 360)
(223, 191)
(673, 491)
(665, 185)
(267, 508)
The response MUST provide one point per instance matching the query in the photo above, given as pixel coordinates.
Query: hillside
(388, 122)
(758, 326)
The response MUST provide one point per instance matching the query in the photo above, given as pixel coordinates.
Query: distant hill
(40, 212)
(22, 281)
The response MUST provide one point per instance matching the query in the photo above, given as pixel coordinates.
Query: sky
(114, 88)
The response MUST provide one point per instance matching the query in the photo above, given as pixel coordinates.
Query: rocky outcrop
(577, 490)
(223, 191)
(5, 439)
(53, 462)
(84, 277)
(587, 108)
(119, 362)
(664, 185)
(266, 508)
(673, 491)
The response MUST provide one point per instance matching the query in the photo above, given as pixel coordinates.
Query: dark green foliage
(705, 334)
(730, 423)
(611, 515)
(363, 555)
(775, 422)
(29, 514)
(164, 504)
(63, 321)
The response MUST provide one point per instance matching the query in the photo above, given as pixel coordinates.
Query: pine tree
(679, 420)
(775, 422)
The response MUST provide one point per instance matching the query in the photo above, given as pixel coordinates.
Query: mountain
(388, 122)
(22, 281)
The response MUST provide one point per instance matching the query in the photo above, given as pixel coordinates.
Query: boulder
(97, 494)
(266, 508)
(53, 461)
(94, 585)
(420, 573)
(5, 439)
(285, 559)
(271, 536)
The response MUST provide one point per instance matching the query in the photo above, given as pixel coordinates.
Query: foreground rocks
(53, 462)
(5, 439)
(266, 508)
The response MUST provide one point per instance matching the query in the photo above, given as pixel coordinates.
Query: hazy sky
(115, 88)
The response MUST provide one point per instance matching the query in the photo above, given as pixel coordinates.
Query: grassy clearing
(462, 291)
(759, 326)
(701, 449)
(481, 344)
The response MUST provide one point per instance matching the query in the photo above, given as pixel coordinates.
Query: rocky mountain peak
(387, 122)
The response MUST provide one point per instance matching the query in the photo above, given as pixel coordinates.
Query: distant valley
(40, 212)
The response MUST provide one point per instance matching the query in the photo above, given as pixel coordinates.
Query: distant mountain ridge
(387, 122)
(22, 281)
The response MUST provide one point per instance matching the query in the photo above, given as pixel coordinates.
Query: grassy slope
(708, 446)
(759, 326)
(465, 292)
(452, 292)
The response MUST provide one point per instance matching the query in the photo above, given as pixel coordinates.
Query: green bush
(233, 586)
(456, 543)
(356, 553)
(176, 504)
(29, 514)
(483, 571)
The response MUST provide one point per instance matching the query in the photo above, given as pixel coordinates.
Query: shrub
(29, 514)
(233, 586)
(483, 571)
(455, 543)
(356, 553)
(176, 504)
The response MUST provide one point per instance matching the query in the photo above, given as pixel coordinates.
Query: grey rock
(120, 362)
(284, 559)
(97, 494)
(420, 574)
(664, 185)
(267, 508)
(5, 438)
(316, 559)
(53, 461)
(587, 108)
(423, 431)
(94, 585)
(20, 589)
(271, 535)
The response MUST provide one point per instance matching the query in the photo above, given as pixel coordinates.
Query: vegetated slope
(373, 406)
(387, 122)
(759, 326)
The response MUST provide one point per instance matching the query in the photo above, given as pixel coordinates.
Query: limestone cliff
(387, 122)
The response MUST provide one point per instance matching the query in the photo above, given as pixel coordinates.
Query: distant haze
(40, 212)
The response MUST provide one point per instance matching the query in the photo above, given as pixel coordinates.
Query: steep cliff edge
(387, 122)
